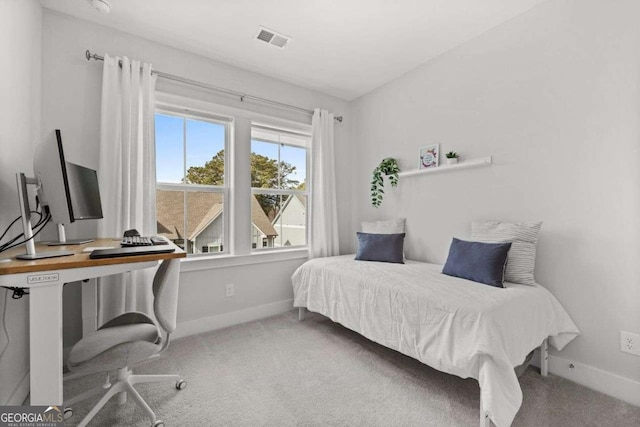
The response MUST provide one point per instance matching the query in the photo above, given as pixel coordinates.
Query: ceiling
(344, 48)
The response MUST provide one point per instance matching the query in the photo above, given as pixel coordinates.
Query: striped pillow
(389, 226)
(521, 260)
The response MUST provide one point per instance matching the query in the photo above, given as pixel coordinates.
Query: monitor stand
(62, 239)
(25, 214)
(41, 255)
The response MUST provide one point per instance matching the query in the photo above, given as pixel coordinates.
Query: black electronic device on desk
(130, 251)
(133, 244)
(132, 241)
(133, 238)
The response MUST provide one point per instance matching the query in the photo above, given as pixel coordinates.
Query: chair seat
(108, 337)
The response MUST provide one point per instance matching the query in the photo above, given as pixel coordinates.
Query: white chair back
(165, 293)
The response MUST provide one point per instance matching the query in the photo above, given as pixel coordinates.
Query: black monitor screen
(84, 192)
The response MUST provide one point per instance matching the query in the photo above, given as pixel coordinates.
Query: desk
(45, 278)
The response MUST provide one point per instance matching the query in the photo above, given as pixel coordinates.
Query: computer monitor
(68, 192)
(84, 192)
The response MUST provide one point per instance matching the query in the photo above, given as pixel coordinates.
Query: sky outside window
(205, 140)
(169, 149)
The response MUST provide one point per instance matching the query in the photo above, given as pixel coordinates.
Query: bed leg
(301, 313)
(485, 421)
(544, 358)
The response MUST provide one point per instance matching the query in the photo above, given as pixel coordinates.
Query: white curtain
(324, 216)
(127, 176)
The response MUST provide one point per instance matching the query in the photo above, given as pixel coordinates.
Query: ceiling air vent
(272, 38)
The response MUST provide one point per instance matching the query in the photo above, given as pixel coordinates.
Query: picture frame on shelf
(429, 156)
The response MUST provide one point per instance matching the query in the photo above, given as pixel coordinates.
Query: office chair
(126, 340)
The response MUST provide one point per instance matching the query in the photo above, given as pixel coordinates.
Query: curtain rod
(241, 95)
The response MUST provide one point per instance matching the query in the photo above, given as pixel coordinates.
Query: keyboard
(133, 241)
(130, 251)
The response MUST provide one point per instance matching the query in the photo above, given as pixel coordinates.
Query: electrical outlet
(230, 291)
(630, 343)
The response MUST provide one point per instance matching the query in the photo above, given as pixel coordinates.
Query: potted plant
(452, 157)
(388, 167)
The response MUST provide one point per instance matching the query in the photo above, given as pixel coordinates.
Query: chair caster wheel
(181, 385)
(158, 424)
(68, 413)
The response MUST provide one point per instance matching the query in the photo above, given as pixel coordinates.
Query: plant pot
(452, 161)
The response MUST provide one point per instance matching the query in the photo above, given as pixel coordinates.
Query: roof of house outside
(203, 209)
(260, 219)
(208, 218)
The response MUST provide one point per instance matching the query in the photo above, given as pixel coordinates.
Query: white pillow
(521, 260)
(389, 226)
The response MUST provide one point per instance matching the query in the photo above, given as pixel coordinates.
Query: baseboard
(594, 378)
(20, 393)
(212, 323)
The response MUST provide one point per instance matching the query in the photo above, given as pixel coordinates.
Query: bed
(454, 325)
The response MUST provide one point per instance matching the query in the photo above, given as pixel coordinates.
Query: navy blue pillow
(477, 261)
(380, 247)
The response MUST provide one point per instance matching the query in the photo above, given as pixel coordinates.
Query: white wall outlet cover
(630, 343)
(229, 289)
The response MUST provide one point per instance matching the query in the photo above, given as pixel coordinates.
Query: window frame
(187, 114)
(238, 252)
(282, 191)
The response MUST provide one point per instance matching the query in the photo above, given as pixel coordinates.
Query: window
(279, 187)
(230, 181)
(191, 170)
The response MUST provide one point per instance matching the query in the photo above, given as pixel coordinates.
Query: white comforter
(453, 325)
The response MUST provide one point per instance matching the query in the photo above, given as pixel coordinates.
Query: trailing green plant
(451, 155)
(388, 167)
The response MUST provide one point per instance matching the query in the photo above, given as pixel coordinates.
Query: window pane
(264, 165)
(293, 167)
(264, 208)
(170, 215)
(290, 223)
(205, 152)
(169, 148)
(205, 222)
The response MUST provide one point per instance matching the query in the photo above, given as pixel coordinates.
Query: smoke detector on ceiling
(272, 37)
(102, 6)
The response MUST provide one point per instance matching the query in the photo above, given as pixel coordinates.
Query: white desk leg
(89, 307)
(45, 330)
(485, 421)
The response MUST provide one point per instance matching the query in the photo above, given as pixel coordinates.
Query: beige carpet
(281, 372)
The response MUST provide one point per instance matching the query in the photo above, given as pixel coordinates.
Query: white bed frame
(485, 421)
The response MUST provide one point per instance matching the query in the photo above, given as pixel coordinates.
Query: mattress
(453, 325)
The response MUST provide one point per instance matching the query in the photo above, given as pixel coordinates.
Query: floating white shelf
(473, 163)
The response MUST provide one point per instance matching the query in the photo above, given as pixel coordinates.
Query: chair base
(122, 387)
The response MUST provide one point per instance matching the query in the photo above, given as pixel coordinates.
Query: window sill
(221, 261)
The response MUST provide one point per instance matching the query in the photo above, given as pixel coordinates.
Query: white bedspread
(453, 325)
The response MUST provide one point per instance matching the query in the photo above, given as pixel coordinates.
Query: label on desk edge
(43, 278)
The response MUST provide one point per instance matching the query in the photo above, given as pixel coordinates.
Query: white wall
(71, 102)
(20, 50)
(554, 97)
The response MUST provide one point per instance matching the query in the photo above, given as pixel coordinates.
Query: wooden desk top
(78, 260)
